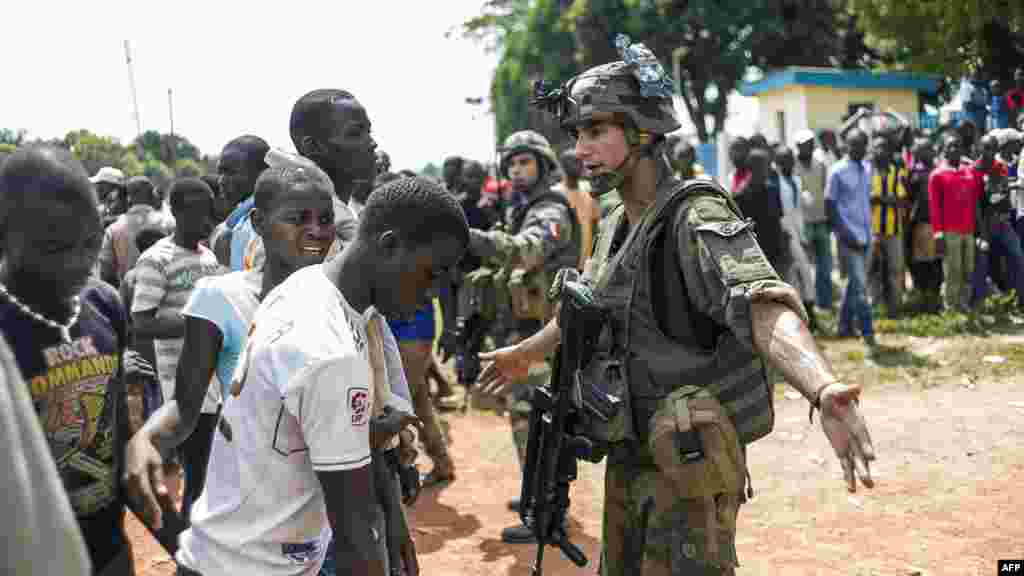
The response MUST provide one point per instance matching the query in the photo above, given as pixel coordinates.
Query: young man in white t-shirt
(293, 217)
(301, 429)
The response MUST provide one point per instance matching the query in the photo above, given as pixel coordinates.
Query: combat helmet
(635, 88)
(535, 143)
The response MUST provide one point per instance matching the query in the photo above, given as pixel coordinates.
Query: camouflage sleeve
(547, 231)
(723, 265)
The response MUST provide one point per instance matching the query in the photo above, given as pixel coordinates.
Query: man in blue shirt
(847, 197)
(241, 162)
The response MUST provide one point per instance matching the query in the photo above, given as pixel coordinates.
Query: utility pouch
(528, 294)
(694, 443)
(600, 397)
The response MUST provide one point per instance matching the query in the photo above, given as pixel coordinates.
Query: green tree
(13, 138)
(719, 42)
(166, 148)
(188, 167)
(95, 151)
(948, 37)
(431, 170)
(536, 43)
(130, 164)
(156, 171)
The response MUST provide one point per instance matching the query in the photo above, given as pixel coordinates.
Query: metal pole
(174, 144)
(131, 82)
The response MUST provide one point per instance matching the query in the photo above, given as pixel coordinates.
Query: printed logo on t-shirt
(359, 405)
(302, 552)
(70, 398)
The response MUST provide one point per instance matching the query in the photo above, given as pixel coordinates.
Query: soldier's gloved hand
(846, 430)
(477, 239)
(507, 365)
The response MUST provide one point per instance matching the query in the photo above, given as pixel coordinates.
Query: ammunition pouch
(479, 293)
(527, 291)
(695, 444)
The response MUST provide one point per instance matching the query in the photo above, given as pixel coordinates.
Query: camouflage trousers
(519, 407)
(519, 399)
(649, 530)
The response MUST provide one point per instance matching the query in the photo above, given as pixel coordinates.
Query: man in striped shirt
(164, 278)
(890, 203)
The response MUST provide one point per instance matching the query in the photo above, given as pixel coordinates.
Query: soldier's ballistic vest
(663, 342)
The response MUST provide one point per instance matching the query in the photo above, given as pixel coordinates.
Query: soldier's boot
(518, 534)
(521, 534)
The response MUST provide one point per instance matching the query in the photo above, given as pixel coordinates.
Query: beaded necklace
(65, 329)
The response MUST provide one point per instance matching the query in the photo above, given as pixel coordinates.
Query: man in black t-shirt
(67, 331)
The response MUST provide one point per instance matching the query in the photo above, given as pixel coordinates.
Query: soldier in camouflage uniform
(542, 237)
(694, 311)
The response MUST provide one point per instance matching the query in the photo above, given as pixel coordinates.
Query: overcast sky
(237, 67)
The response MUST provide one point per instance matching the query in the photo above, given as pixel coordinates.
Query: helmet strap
(641, 145)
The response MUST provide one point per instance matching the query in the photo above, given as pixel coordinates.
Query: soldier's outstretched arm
(729, 279)
(546, 230)
(512, 363)
(782, 338)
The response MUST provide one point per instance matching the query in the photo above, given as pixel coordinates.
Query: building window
(780, 124)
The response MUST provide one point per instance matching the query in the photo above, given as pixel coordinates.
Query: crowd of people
(264, 337)
(942, 210)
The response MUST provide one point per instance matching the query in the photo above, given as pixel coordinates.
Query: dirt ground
(947, 419)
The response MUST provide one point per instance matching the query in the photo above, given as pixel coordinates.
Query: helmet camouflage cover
(529, 141)
(635, 87)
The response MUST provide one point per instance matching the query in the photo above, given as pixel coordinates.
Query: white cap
(109, 175)
(803, 136)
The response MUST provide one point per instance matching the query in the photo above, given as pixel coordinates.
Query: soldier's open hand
(506, 365)
(846, 430)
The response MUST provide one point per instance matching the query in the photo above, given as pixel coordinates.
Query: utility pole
(173, 142)
(131, 83)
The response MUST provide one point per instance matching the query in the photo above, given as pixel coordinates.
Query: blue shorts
(419, 328)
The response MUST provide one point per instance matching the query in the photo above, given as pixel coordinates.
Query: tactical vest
(668, 345)
(528, 288)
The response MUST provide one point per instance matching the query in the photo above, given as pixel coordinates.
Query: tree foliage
(149, 154)
(719, 42)
(948, 37)
(431, 170)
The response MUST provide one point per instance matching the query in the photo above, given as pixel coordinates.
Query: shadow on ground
(435, 523)
(555, 564)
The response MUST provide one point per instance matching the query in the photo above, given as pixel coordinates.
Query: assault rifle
(553, 448)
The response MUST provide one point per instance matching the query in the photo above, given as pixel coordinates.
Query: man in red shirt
(1015, 98)
(953, 194)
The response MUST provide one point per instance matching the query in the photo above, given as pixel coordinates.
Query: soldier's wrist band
(816, 403)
